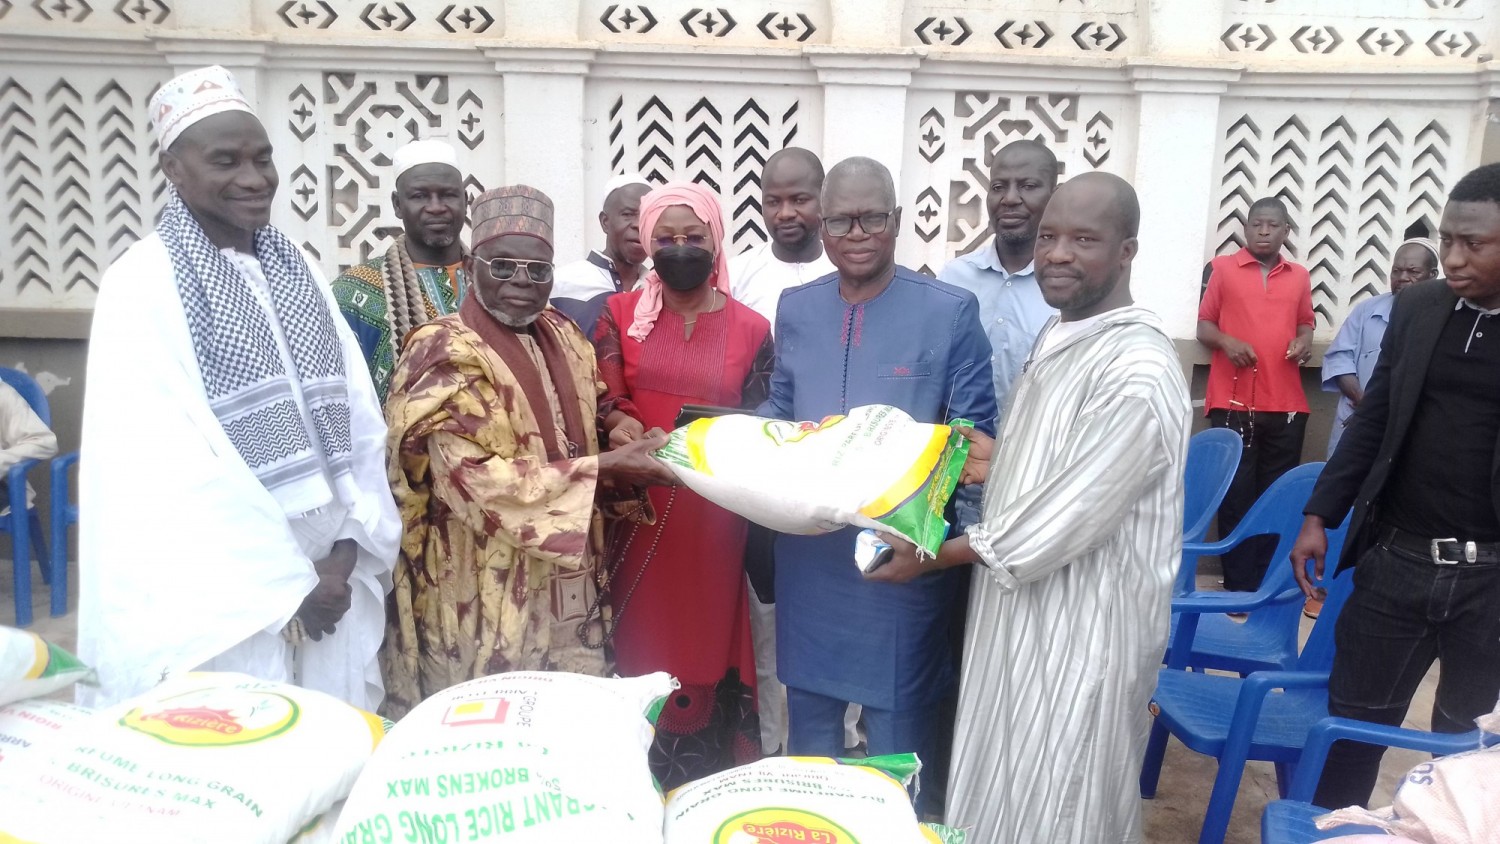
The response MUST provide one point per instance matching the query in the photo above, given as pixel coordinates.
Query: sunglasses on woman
(698, 240)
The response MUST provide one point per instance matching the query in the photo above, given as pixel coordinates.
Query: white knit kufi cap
(428, 151)
(189, 98)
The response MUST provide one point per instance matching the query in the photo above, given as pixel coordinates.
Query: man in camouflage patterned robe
(495, 466)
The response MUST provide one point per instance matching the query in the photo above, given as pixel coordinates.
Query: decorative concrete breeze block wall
(1360, 113)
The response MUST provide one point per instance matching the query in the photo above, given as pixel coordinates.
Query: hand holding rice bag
(202, 757)
(529, 757)
(30, 666)
(874, 467)
(798, 800)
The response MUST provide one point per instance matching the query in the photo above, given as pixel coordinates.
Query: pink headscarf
(702, 202)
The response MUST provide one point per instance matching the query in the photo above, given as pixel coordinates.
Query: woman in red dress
(678, 588)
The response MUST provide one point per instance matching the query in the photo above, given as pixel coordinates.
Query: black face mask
(683, 267)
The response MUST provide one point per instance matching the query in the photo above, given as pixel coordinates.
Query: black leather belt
(1446, 551)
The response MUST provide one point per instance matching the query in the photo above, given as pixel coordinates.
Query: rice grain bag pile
(874, 467)
(322, 829)
(202, 757)
(26, 723)
(30, 666)
(799, 800)
(528, 757)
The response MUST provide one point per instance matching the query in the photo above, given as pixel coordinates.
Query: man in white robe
(1076, 553)
(235, 511)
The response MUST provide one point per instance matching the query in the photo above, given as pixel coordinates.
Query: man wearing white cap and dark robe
(236, 511)
(580, 288)
(420, 277)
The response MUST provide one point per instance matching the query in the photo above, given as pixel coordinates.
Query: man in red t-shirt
(1257, 317)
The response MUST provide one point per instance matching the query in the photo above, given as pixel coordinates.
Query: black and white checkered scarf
(248, 387)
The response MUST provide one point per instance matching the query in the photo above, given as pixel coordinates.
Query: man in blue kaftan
(872, 333)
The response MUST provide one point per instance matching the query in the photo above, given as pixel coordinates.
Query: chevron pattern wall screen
(721, 142)
(1354, 180)
(78, 171)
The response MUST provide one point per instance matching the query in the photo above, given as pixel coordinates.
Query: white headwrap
(191, 97)
(1427, 243)
(428, 151)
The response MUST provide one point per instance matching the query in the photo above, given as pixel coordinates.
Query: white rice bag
(26, 723)
(874, 467)
(30, 666)
(202, 757)
(800, 800)
(1452, 800)
(528, 757)
(321, 830)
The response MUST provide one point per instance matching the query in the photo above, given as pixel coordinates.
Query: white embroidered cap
(1430, 245)
(427, 151)
(189, 98)
(623, 180)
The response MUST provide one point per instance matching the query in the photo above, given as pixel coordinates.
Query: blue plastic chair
(63, 512)
(22, 522)
(1212, 458)
(1267, 639)
(1236, 719)
(1290, 821)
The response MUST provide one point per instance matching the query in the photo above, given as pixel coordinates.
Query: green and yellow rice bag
(30, 666)
(873, 467)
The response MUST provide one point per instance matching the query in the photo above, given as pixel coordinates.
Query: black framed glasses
(871, 223)
(698, 240)
(505, 269)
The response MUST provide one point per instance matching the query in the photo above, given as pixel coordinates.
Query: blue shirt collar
(986, 257)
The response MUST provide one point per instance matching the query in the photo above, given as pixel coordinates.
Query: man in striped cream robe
(1075, 556)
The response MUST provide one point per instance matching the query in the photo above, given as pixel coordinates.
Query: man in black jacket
(1418, 466)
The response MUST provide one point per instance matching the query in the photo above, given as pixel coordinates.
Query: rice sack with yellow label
(528, 757)
(202, 757)
(874, 467)
(30, 666)
(799, 800)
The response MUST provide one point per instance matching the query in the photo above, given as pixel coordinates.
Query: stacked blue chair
(63, 512)
(22, 522)
(1265, 716)
(1267, 639)
(1212, 458)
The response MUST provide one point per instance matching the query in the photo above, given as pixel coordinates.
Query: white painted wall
(1361, 112)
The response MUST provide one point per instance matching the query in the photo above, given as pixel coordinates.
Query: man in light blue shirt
(1350, 359)
(1002, 272)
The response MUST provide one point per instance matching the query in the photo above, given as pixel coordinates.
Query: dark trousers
(1404, 613)
(1273, 446)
